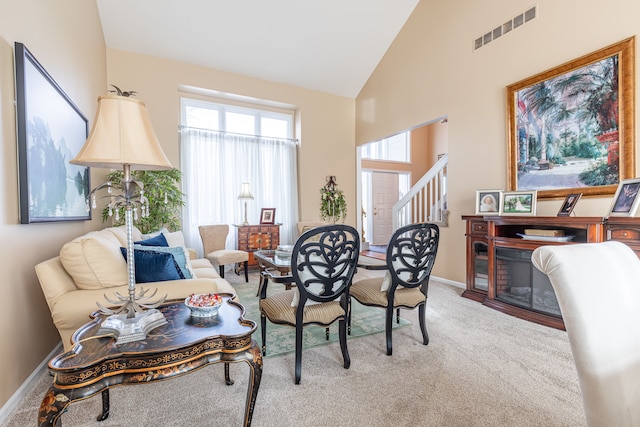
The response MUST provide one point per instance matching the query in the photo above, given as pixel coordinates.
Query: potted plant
(333, 206)
(162, 188)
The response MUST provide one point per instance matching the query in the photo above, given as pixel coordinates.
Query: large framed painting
(51, 130)
(572, 128)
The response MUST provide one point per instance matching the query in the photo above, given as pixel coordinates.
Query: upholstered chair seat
(367, 291)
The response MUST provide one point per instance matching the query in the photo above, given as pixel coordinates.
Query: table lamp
(122, 137)
(245, 195)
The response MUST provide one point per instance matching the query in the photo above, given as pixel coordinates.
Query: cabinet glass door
(480, 266)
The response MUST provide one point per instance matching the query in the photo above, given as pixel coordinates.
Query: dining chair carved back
(323, 262)
(411, 254)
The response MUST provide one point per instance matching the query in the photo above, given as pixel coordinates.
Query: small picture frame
(268, 216)
(518, 203)
(488, 202)
(626, 200)
(569, 203)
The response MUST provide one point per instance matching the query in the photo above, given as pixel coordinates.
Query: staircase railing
(426, 201)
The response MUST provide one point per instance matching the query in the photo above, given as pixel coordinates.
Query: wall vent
(499, 31)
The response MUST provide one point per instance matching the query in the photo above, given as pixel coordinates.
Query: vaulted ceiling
(331, 46)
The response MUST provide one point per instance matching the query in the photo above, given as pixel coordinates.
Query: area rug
(281, 339)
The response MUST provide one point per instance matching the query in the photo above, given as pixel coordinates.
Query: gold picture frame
(587, 125)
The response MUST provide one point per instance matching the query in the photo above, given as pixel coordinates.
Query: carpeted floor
(481, 368)
(281, 338)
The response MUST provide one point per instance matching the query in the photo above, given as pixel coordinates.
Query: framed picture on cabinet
(518, 203)
(488, 202)
(626, 200)
(569, 203)
(268, 216)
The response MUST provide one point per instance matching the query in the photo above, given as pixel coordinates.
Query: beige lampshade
(245, 194)
(122, 134)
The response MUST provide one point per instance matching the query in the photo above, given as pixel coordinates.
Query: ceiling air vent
(500, 30)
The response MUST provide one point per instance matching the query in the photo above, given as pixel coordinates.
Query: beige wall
(431, 71)
(325, 122)
(66, 38)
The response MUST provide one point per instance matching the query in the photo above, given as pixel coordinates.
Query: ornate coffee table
(184, 344)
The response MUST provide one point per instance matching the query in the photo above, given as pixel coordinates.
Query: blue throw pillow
(178, 253)
(158, 240)
(154, 266)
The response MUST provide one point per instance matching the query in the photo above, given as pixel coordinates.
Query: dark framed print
(268, 216)
(626, 200)
(572, 128)
(488, 202)
(518, 203)
(569, 203)
(50, 132)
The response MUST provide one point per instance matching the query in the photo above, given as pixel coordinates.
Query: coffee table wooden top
(185, 337)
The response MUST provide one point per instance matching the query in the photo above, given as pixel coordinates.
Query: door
(384, 189)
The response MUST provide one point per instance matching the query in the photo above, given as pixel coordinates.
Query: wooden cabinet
(624, 229)
(497, 253)
(252, 238)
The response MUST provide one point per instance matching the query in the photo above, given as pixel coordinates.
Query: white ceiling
(330, 46)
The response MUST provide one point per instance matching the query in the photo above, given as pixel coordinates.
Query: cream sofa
(92, 266)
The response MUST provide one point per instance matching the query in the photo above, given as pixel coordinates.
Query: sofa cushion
(121, 234)
(94, 261)
(180, 254)
(152, 266)
(158, 240)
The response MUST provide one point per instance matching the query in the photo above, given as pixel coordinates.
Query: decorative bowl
(203, 305)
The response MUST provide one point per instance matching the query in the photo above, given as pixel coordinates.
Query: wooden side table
(184, 344)
(253, 238)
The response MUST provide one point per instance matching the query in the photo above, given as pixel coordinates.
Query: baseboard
(450, 282)
(22, 391)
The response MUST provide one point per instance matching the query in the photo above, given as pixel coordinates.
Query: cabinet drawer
(479, 227)
(624, 234)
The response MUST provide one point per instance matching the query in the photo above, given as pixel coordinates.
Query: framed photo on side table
(488, 202)
(569, 203)
(518, 203)
(626, 200)
(268, 216)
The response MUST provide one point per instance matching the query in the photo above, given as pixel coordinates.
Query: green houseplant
(162, 188)
(333, 206)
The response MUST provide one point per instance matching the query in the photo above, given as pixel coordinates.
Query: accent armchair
(214, 238)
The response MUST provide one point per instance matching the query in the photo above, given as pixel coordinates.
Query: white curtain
(214, 166)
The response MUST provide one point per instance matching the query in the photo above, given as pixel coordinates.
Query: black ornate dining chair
(323, 262)
(411, 254)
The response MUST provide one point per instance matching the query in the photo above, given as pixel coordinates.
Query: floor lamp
(122, 137)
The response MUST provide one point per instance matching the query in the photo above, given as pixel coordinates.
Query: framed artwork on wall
(626, 200)
(573, 127)
(268, 216)
(518, 203)
(488, 202)
(51, 130)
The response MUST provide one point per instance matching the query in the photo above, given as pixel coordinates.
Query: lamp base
(132, 329)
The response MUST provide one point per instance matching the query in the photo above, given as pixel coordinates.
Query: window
(395, 148)
(223, 146)
(235, 119)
